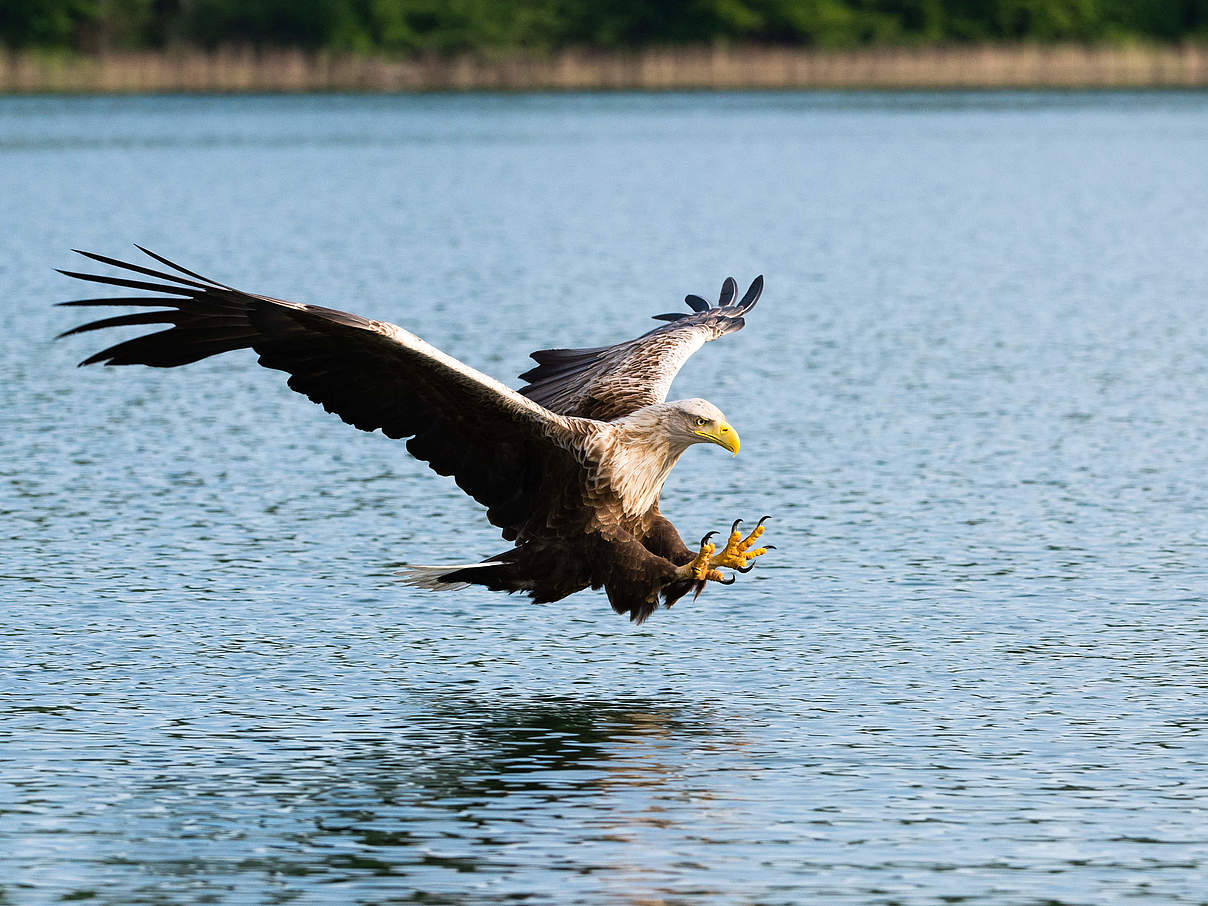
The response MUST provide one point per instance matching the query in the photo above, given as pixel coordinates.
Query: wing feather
(609, 382)
(729, 289)
(508, 452)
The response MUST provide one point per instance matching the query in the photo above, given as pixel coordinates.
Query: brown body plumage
(569, 468)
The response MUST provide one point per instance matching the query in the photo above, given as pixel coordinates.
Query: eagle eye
(701, 422)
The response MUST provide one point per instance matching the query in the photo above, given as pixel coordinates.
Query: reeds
(992, 66)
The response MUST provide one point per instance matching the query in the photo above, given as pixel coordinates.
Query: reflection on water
(459, 787)
(973, 396)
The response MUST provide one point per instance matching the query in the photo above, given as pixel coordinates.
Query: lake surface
(974, 397)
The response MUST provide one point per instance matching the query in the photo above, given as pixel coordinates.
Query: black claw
(745, 569)
(769, 547)
(762, 521)
(705, 540)
(733, 579)
(734, 527)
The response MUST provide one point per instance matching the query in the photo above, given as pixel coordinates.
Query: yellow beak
(723, 435)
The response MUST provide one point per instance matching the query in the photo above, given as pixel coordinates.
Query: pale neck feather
(641, 457)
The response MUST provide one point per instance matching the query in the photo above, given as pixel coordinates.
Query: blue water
(974, 397)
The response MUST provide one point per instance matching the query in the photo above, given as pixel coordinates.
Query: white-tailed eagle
(569, 467)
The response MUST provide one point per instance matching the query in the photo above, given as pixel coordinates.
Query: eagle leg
(700, 570)
(737, 553)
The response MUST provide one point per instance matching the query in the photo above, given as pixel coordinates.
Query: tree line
(453, 26)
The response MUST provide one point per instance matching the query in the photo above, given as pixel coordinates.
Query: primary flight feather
(570, 467)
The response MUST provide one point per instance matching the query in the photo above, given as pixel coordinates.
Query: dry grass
(1014, 66)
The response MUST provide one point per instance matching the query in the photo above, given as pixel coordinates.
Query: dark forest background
(431, 26)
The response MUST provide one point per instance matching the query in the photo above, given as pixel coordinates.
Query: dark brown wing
(504, 450)
(609, 382)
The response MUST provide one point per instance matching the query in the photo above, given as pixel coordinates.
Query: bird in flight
(569, 467)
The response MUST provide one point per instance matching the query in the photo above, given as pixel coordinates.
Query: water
(974, 397)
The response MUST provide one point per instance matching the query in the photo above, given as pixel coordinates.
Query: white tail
(429, 577)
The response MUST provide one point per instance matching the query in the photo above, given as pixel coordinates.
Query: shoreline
(1016, 66)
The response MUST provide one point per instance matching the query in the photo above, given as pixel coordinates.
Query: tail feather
(449, 577)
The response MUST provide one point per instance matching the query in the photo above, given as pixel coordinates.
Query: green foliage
(449, 26)
(43, 23)
(302, 23)
(446, 26)
(78, 24)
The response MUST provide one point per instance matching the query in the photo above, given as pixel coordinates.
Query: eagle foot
(711, 575)
(701, 569)
(698, 569)
(738, 554)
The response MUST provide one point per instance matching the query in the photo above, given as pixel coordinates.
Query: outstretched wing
(609, 382)
(507, 452)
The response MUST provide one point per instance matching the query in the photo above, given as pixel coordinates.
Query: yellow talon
(750, 539)
(699, 567)
(700, 570)
(737, 554)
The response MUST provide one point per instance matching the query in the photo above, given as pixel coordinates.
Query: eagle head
(698, 421)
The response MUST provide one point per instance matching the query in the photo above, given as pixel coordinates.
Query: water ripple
(973, 398)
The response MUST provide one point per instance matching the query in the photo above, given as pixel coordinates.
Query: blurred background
(133, 45)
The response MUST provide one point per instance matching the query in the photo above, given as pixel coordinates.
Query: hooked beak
(722, 435)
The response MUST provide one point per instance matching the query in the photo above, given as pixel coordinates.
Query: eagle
(569, 467)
